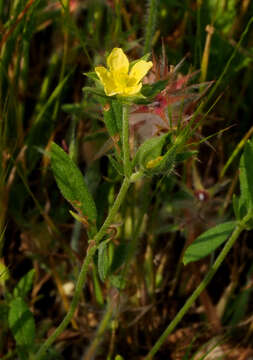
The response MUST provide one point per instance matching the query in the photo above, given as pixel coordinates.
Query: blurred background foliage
(46, 46)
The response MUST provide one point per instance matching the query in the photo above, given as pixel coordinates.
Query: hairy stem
(125, 142)
(94, 243)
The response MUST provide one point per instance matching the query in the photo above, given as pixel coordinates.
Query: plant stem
(121, 195)
(237, 231)
(150, 25)
(94, 243)
(125, 142)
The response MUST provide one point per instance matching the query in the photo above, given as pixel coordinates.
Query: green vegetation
(126, 208)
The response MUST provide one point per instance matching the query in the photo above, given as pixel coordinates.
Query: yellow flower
(117, 79)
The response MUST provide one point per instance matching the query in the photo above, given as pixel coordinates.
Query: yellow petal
(140, 69)
(106, 79)
(132, 90)
(118, 61)
(121, 80)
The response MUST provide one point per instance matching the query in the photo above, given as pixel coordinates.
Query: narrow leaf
(207, 242)
(246, 176)
(95, 91)
(92, 75)
(110, 121)
(71, 183)
(103, 261)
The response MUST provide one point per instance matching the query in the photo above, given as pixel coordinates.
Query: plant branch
(237, 231)
(125, 142)
(94, 243)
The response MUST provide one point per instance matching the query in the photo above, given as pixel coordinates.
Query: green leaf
(240, 207)
(21, 322)
(150, 155)
(92, 75)
(149, 150)
(71, 183)
(4, 273)
(110, 120)
(207, 242)
(167, 161)
(77, 217)
(246, 176)
(118, 357)
(97, 286)
(173, 153)
(24, 285)
(103, 260)
(113, 116)
(95, 91)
